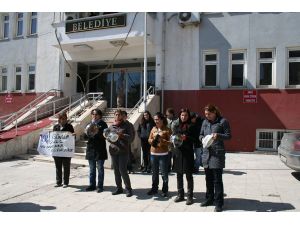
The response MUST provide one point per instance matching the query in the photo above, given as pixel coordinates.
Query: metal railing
(58, 106)
(9, 119)
(150, 91)
(81, 104)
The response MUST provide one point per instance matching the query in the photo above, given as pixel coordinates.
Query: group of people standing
(160, 154)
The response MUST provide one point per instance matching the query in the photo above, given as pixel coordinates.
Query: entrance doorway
(122, 86)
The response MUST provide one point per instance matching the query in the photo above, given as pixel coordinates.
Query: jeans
(162, 162)
(214, 186)
(198, 156)
(100, 168)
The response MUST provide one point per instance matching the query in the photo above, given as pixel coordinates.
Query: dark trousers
(190, 184)
(214, 185)
(146, 153)
(59, 163)
(120, 169)
(160, 161)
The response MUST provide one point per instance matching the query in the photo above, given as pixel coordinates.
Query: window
(31, 77)
(19, 25)
(237, 68)
(266, 64)
(18, 78)
(269, 139)
(293, 67)
(5, 27)
(3, 73)
(211, 69)
(33, 23)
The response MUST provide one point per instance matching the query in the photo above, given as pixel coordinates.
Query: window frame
(1, 80)
(288, 60)
(206, 63)
(237, 62)
(274, 140)
(28, 77)
(18, 74)
(267, 60)
(31, 18)
(17, 24)
(3, 23)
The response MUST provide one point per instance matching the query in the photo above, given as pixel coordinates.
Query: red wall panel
(275, 109)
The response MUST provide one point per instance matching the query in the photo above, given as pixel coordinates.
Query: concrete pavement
(252, 182)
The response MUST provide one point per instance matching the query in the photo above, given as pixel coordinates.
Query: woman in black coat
(213, 157)
(144, 129)
(184, 160)
(62, 162)
(96, 152)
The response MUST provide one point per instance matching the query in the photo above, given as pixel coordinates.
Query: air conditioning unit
(188, 18)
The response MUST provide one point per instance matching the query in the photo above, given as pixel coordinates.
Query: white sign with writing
(57, 143)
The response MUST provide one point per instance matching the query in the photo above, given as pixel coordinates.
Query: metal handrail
(151, 90)
(59, 106)
(83, 102)
(14, 116)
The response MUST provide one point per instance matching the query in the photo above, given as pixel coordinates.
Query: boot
(179, 197)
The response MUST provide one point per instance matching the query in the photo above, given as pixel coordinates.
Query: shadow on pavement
(233, 172)
(24, 207)
(255, 205)
(296, 175)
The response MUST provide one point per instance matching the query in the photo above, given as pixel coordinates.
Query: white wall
(18, 51)
(47, 69)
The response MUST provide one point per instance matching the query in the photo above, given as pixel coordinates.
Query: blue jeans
(198, 158)
(100, 167)
(162, 162)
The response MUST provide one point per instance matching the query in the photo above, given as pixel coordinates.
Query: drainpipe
(145, 63)
(163, 59)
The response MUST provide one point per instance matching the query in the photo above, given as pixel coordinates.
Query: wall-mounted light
(83, 47)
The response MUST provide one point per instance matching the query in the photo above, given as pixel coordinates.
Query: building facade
(248, 64)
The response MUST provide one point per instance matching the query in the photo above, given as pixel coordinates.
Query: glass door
(133, 88)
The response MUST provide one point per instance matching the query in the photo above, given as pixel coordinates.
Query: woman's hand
(215, 136)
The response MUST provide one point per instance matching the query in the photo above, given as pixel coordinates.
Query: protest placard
(57, 143)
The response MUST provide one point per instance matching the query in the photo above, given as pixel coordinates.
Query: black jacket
(66, 127)
(196, 128)
(214, 156)
(184, 155)
(96, 145)
(145, 129)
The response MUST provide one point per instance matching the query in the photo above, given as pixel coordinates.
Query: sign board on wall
(57, 143)
(8, 99)
(250, 96)
(95, 23)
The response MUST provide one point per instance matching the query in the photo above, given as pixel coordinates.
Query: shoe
(179, 198)
(65, 186)
(218, 209)
(99, 190)
(118, 191)
(90, 188)
(189, 201)
(149, 171)
(152, 192)
(164, 194)
(144, 170)
(207, 203)
(57, 185)
(129, 193)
